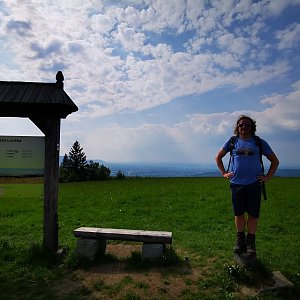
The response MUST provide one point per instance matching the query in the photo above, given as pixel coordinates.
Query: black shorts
(246, 198)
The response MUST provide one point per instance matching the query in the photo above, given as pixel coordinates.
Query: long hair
(243, 117)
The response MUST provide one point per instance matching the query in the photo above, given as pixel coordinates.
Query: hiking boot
(250, 245)
(240, 245)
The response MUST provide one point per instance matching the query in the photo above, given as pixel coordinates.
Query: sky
(160, 81)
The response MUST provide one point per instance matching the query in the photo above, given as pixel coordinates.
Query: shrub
(120, 175)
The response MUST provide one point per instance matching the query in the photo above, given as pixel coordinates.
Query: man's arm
(219, 161)
(272, 169)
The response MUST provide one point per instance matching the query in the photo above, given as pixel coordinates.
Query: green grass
(21, 190)
(197, 211)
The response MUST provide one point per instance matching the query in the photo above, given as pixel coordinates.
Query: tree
(96, 172)
(77, 161)
(75, 167)
(104, 172)
(66, 162)
(93, 170)
(65, 169)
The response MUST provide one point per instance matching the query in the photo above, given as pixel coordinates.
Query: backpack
(258, 143)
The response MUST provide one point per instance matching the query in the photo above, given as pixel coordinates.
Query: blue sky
(160, 81)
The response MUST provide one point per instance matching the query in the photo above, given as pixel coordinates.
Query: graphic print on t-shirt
(245, 152)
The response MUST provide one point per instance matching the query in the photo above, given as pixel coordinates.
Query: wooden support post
(51, 128)
(52, 140)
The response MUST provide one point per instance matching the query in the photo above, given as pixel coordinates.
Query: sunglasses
(244, 125)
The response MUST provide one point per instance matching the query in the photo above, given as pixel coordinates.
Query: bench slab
(145, 236)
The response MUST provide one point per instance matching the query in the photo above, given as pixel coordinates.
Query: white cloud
(227, 61)
(288, 37)
(130, 144)
(129, 38)
(210, 124)
(275, 7)
(259, 76)
(102, 24)
(169, 14)
(284, 110)
(235, 45)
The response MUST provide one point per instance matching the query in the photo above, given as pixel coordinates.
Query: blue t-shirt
(245, 162)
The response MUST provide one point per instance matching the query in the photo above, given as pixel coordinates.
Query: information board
(22, 156)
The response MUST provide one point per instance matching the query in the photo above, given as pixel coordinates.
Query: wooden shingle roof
(29, 99)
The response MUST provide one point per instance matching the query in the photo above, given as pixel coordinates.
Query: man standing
(246, 177)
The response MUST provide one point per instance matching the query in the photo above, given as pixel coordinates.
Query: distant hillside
(288, 173)
(88, 160)
(174, 170)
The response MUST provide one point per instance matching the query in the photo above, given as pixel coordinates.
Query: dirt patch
(114, 280)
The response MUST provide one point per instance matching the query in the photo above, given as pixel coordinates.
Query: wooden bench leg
(90, 248)
(153, 251)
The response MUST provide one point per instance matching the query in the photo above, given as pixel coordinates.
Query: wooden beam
(51, 128)
(40, 123)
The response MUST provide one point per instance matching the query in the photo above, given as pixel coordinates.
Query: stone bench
(92, 241)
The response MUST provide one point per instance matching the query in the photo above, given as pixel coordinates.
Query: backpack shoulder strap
(232, 142)
(258, 143)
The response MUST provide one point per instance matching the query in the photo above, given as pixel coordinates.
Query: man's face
(244, 126)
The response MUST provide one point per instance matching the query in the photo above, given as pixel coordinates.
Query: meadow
(198, 265)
